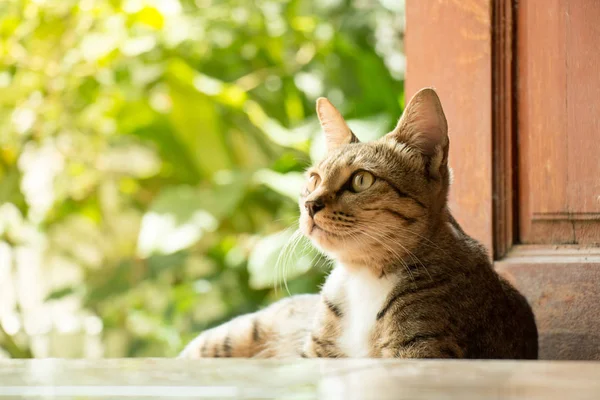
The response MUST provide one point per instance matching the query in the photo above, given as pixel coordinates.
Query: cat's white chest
(363, 295)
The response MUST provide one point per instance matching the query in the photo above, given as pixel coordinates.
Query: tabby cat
(408, 282)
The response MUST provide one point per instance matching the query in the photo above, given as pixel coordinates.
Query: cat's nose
(314, 206)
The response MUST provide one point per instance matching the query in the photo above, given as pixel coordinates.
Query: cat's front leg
(243, 336)
(276, 331)
(322, 340)
(422, 345)
(320, 346)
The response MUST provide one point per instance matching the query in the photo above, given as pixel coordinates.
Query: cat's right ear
(423, 125)
(337, 132)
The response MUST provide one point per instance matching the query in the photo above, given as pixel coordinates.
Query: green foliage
(157, 148)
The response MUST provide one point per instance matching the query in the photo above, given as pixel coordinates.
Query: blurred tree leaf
(181, 215)
(60, 293)
(10, 192)
(197, 127)
(288, 184)
(145, 144)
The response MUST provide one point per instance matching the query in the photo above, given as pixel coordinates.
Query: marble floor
(297, 379)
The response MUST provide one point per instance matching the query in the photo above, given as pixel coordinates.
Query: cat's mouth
(321, 232)
(316, 229)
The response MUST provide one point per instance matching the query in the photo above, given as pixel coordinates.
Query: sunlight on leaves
(180, 216)
(288, 185)
(149, 150)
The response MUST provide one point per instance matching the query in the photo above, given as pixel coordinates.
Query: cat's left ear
(423, 126)
(337, 132)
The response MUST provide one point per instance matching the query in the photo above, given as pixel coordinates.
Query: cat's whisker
(316, 256)
(402, 229)
(296, 240)
(306, 245)
(398, 229)
(395, 254)
(290, 249)
(410, 253)
(388, 236)
(282, 258)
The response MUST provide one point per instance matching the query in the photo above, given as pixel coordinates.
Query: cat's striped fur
(408, 281)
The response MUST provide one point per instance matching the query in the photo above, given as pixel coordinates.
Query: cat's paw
(193, 350)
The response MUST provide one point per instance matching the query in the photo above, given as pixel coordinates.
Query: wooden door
(559, 121)
(521, 84)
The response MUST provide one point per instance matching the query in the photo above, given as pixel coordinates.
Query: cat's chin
(315, 233)
(325, 241)
(319, 236)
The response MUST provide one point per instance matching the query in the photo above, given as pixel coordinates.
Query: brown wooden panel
(563, 288)
(559, 129)
(448, 46)
(583, 107)
(541, 107)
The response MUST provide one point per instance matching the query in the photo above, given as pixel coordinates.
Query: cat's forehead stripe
(351, 159)
(336, 176)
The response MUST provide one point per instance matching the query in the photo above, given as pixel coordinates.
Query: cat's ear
(337, 132)
(423, 125)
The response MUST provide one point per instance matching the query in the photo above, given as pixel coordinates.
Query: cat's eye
(313, 182)
(362, 181)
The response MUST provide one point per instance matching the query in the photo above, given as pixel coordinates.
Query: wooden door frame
(504, 128)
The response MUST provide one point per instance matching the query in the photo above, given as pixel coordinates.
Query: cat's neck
(448, 244)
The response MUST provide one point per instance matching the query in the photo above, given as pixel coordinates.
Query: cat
(408, 282)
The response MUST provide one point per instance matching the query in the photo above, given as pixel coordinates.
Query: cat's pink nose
(313, 206)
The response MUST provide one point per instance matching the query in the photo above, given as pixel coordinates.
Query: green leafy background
(151, 155)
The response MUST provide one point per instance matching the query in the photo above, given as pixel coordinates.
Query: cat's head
(373, 203)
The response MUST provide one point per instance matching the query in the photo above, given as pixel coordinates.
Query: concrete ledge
(298, 379)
